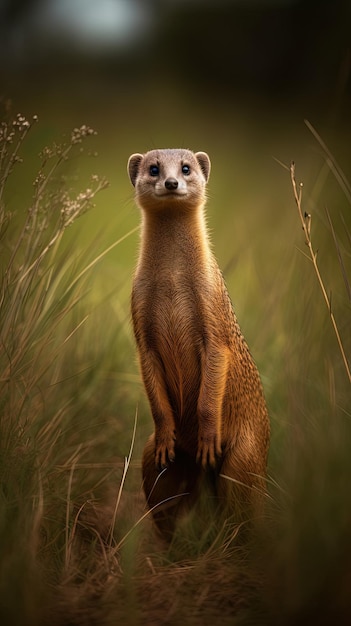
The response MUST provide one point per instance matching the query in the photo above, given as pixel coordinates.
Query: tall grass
(77, 545)
(308, 559)
(50, 388)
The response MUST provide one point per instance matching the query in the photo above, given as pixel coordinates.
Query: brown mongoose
(203, 387)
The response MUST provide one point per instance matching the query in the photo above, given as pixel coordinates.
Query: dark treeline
(272, 48)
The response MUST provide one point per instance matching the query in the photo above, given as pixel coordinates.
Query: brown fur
(203, 387)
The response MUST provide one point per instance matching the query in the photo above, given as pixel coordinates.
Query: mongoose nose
(171, 183)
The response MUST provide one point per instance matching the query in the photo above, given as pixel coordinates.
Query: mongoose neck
(175, 235)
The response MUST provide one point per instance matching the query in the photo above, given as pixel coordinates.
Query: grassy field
(77, 546)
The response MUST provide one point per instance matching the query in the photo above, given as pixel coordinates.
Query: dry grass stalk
(305, 219)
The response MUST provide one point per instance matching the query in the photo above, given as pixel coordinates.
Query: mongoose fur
(203, 387)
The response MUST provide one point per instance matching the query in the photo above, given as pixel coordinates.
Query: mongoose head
(169, 178)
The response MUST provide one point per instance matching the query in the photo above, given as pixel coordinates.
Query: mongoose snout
(171, 183)
(203, 387)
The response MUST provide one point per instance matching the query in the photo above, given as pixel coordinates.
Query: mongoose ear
(133, 166)
(204, 161)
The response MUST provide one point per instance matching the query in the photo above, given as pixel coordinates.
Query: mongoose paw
(164, 453)
(208, 451)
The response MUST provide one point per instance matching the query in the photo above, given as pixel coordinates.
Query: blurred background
(234, 77)
(229, 48)
(237, 79)
(267, 47)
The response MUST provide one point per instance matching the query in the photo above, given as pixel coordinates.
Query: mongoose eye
(186, 170)
(154, 170)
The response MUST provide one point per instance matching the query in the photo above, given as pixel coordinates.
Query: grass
(77, 545)
(305, 219)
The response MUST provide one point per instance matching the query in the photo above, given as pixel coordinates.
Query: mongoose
(203, 387)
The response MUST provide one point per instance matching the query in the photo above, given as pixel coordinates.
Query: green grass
(76, 546)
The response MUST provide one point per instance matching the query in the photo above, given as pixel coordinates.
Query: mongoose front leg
(160, 408)
(215, 362)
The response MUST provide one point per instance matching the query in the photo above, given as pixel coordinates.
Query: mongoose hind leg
(241, 487)
(171, 491)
